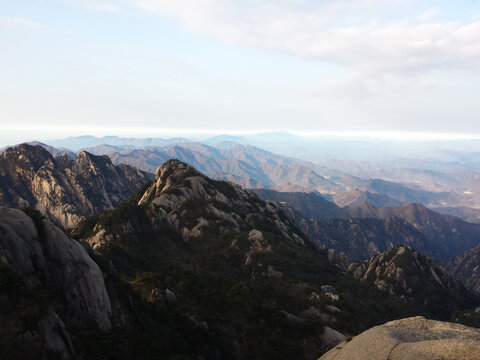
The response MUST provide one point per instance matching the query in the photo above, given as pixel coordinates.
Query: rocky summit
(64, 189)
(465, 267)
(416, 279)
(411, 339)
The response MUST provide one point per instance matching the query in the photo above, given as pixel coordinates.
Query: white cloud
(350, 33)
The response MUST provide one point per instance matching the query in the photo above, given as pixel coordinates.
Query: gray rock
(331, 337)
(56, 261)
(411, 339)
(330, 292)
(170, 296)
(65, 190)
(332, 309)
(156, 296)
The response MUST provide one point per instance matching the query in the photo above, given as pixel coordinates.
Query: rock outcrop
(58, 280)
(63, 189)
(465, 268)
(416, 279)
(193, 203)
(411, 339)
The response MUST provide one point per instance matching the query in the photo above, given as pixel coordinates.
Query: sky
(184, 67)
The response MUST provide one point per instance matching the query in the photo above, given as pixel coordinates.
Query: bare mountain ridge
(64, 189)
(361, 239)
(443, 236)
(417, 279)
(270, 170)
(247, 163)
(465, 267)
(357, 196)
(256, 168)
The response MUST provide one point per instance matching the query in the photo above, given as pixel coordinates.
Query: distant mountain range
(438, 184)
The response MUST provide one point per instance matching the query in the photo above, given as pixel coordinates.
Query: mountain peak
(404, 272)
(176, 182)
(32, 155)
(175, 168)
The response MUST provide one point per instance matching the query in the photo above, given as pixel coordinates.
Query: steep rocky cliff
(416, 279)
(48, 283)
(65, 190)
(465, 268)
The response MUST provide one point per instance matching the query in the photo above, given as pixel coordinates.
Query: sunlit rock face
(64, 189)
(411, 339)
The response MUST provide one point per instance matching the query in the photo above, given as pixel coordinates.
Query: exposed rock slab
(57, 262)
(413, 338)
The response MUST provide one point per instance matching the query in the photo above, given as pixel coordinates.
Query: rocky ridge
(415, 278)
(465, 268)
(64, 189)
(361, 239)
(436, 235)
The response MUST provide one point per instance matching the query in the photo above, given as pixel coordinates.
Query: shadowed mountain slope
(465, 267)
(437, 235)
(415, 278)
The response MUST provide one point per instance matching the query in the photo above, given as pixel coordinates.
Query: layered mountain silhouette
(439, 236)
(343, 182)
(64, 189)
(364, 238)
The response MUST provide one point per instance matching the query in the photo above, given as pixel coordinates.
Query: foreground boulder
(413, 338)
(47, 282)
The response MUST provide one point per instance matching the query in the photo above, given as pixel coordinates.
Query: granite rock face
(50, 258)
(63, 189)
(416, 279)
(48, 279)
(413, 338)
(465, 268)
(191, 203)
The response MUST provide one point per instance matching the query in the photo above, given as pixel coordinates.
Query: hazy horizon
(219, 66)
